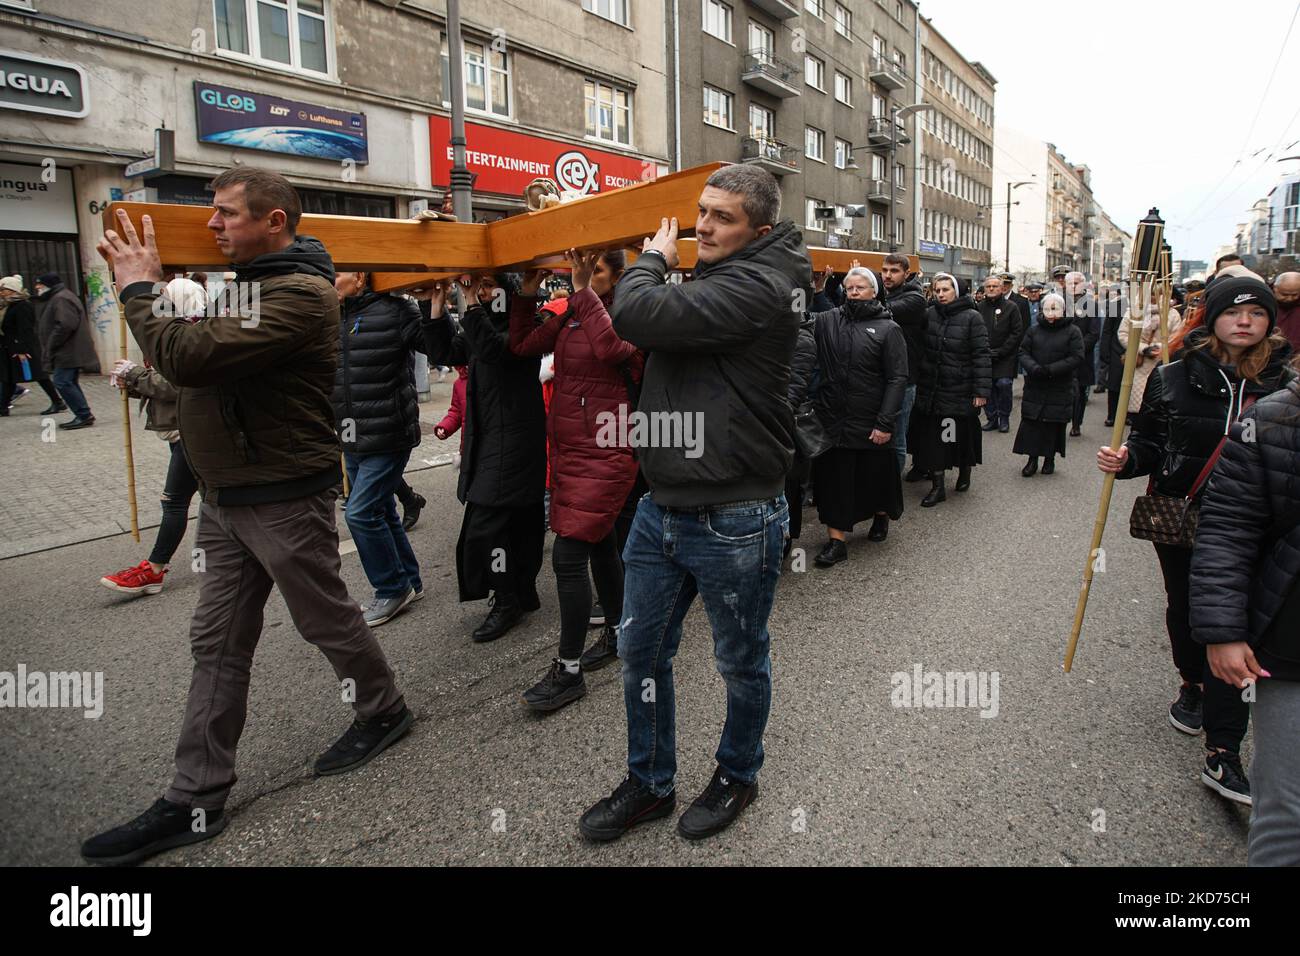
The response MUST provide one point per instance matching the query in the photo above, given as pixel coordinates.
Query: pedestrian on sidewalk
(1187, 412)
(68, 345)
(1245, 606)
(955, 384)
(591, 472)
(1050, 355)
(503, 467)
(253, 404)
(20, 349)
(715, 520)
(1006, 330)
(158, 399)
(863, 365)
(377, 415)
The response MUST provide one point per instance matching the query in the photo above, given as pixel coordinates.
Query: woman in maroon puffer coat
(590, 478)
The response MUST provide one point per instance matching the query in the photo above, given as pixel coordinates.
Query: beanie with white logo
(1227, 293)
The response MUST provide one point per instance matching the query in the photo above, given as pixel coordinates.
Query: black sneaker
(161, 827)
(1223, 774)
(715, 809)
(363, 741)
(505, 614)
(597, 618)
(604, 651)
(411, 511)
(556, 689)
(1185, 711)
(629, 805)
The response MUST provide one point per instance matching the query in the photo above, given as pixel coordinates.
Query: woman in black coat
(1187, 411)
(955, 383)
(20, 348)
(1245, 605)
(1050, 354)
(862, 358)
(503, 460)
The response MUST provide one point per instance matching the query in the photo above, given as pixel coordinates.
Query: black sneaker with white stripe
(717, 807)
(1185, 711)
(1223, 774)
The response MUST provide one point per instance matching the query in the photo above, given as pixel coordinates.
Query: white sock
(570, 666)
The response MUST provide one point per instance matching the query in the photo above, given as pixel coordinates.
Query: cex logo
(573, 170)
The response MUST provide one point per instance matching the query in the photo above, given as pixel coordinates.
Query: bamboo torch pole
(1166, 298)
(126, 426)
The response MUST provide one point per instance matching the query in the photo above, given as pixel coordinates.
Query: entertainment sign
(246, 120)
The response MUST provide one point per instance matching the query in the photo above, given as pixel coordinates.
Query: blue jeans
(372, 518)
(65, 380)
(999, 407)
(900, 425)
(730, 555)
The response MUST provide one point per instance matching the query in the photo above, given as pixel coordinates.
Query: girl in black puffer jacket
(1188, 408)
(955, 383)
(1051, 352)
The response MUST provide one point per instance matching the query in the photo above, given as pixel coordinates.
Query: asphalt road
(1078, 768)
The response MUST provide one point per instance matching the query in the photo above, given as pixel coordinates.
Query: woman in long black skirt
(955, 383)
(862, 357)
(1050, 353)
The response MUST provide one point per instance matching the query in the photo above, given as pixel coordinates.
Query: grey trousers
(245, 549)
(1275, 775)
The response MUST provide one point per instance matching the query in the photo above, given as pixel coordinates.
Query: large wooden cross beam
(406, 254)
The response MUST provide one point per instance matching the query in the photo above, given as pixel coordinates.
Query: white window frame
(848, 88)
(816, 7)
(598, 86)
(766, 48)
(843, 153)
(843, 21)
(810, 219)
(808, 58)
(254, 54)
(591, 7)
(726, 98)
(877, 226)
(812, 136)
(484, 48)
(768, 127)
(900, 231)
(722, 9)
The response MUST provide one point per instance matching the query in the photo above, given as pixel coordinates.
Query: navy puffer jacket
(374, 386)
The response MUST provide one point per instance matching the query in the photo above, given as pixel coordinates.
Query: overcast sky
(1159, 98)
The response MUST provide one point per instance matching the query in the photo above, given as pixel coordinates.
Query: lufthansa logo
(574, 171)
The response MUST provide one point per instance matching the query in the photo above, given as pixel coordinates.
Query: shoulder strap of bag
(1214, 458)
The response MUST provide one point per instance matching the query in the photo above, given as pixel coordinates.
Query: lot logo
(103, 909)
(573, 170)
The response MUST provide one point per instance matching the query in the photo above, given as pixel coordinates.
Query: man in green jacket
(253, 405)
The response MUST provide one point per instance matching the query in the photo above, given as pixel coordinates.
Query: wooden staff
(1136, 315)
(126, 427)
(1166, 298)
(343, 463)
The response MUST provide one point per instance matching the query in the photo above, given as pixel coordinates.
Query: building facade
(342, 96)
(805, 89)
(955, 219)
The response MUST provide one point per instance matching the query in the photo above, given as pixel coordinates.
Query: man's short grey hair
(761, 192)
(1075, 277)
(867, 273)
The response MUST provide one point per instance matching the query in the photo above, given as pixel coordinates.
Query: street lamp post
(460, 175)
(1011, 186)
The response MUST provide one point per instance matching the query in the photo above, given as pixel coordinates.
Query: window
(762, 122)
(717, 108)
(878, 166)
(609, 112)
(814, 7)
(843, 20)
(879, 106)
(878, 46)
(900, 232)
(810, 219)
(900, 61)
(289, 33)
(898, 10)
(814, 72)
(615, 10)
(877, 226)
(900, 175)
(762, 42)
(814, 143)
(843, 152)
(486, 76)
(843, 88)
(717, 19)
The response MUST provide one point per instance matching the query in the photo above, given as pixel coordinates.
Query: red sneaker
(140, 579)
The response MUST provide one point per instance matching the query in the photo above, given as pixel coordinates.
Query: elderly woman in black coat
(955, 383)
(1050, 354)
(862, 358)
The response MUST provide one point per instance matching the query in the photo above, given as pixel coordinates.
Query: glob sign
(506, 162)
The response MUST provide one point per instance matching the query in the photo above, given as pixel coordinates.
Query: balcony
(777, 8)
(878, 190)
(886, 73)
(765, 72)
(879, 132)
(776, 157)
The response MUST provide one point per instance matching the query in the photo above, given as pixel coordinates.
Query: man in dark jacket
(253, 405)
(721, 441)
(1286, 288)
(1081, 305)
(1006, 329)
(1008, 289)
(68, 345)
(906, 302)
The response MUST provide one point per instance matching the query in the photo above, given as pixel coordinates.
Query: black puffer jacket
(957, 366)
(1006, 329)
(1088, 317)
(908, 306)
(1112, 350)
(503, 459)
(1247, 557)
(1051, 354)
(1188, 406)
(373, 386)
(862, 356)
